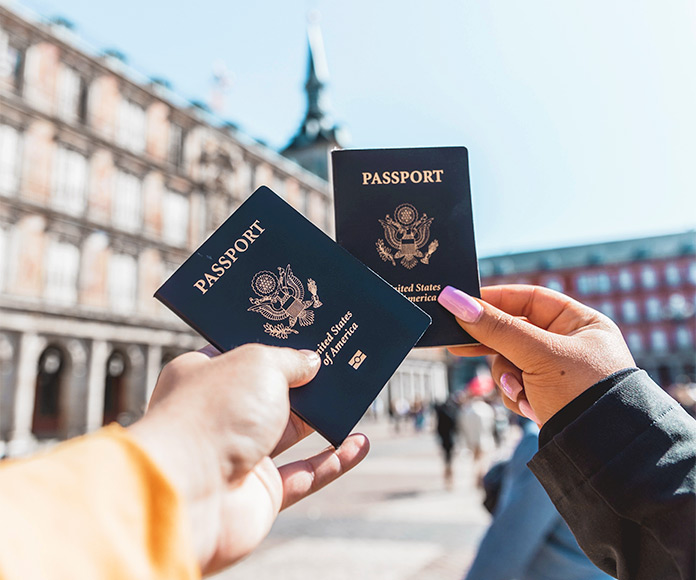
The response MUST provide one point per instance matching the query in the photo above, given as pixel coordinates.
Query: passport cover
(406, 213)
(268, 275)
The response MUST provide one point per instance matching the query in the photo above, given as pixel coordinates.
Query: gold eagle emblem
(282, 296)
(407, 233)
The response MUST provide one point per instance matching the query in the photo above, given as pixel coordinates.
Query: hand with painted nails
(214, 423)
(547, 348)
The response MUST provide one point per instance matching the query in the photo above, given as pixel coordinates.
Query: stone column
(74, 390)
(137, 381)
(8, 378)
(20, 439)
(95, 384)
(154, 365)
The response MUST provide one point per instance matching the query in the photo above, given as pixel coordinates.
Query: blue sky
(579, 116)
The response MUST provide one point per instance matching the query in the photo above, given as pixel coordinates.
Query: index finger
(543, 307)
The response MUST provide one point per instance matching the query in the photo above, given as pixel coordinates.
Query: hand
(213, 426)
(547, 348)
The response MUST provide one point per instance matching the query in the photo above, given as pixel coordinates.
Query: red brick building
(647, 286)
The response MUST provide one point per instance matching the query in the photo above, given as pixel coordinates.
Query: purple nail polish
(460, 304)
(510, 385)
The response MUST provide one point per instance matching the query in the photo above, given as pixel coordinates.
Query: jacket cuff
(579, 405)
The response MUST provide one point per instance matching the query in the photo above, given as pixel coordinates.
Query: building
(108, 181)
(317, 134)
(647, 286)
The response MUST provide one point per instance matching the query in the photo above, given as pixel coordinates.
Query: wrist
(191, 466)
(580, 404)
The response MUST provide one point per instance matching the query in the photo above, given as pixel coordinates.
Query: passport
(406, 214)
(268, 275)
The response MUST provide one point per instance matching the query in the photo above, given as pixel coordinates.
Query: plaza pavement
(391, 518)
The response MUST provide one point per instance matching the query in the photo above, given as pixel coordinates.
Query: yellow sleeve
(93, 508)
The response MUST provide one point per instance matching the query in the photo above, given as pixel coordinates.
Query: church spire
(317, 134)
(317, 72)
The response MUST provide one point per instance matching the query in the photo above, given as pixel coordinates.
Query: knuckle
(259, 353)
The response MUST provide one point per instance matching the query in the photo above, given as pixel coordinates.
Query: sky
(579, 116)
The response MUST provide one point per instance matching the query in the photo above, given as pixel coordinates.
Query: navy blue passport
(268, 275)
(406, 214)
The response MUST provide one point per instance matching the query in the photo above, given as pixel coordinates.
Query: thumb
(298, 366)
(516, 339)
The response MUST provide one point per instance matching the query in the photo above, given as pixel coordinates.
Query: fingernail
(526, 409)
(511, 386)
(460, 304)
(311, 355)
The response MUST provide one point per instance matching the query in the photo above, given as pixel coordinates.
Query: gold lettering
(401, 177)
(229, 257)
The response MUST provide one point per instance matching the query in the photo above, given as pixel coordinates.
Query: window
(131, 126)
(626, 280)
(679, 307)
(175, 218)
(10, 159)
(692, 272)
(607, 308)
(584, 284)
(683, 337)
(3, 257)
(649, 277)
(653, 309)
(635, 341)
(72, 95)
(554, 283)
(629, 309)
(591, 283)
(61, 269)
(126, 201)
(176, 145)
(122, 283)
(672, 275)
(659, 340)
(69, 181)
(11, 63)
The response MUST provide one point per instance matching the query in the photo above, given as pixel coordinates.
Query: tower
(317, 134)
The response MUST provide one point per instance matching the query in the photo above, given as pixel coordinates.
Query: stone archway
(51, 372)
(115, 386)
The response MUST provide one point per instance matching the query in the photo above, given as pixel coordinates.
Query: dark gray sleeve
(623, 476)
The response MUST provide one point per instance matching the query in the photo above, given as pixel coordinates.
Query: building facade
(107, 183)
(647, 286)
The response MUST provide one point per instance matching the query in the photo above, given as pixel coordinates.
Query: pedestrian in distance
(447, 419)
